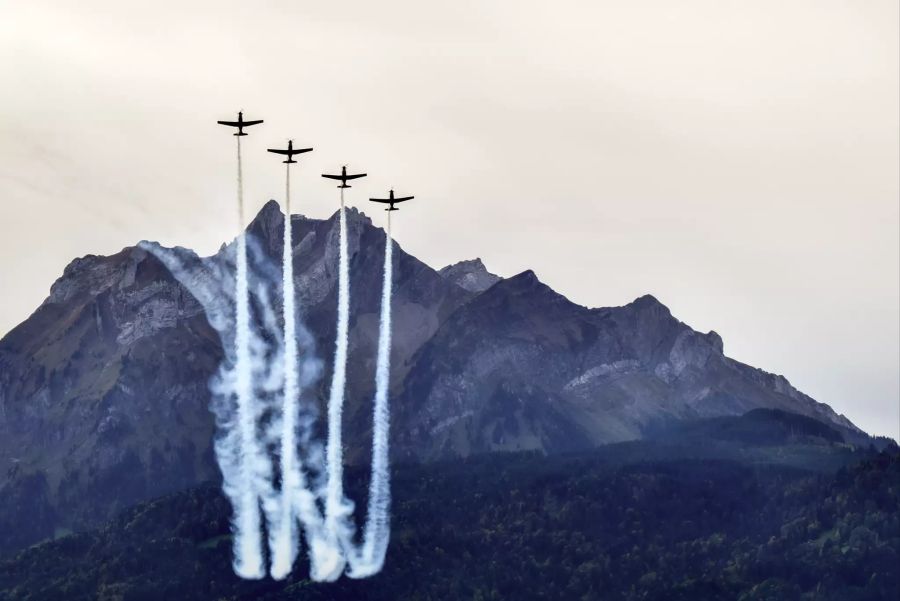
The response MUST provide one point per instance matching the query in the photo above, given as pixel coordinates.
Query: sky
(737, 160)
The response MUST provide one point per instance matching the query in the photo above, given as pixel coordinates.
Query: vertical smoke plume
(376, 534)
(284, 541)
(248, 553)
(260, 397)
(337, 508)
(296, 500)
(213, 283)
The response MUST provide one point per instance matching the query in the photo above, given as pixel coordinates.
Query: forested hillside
(527, 527)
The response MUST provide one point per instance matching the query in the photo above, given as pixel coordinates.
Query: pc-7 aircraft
(343, 177)
(391, 200)
(240, 123)
(290, 151)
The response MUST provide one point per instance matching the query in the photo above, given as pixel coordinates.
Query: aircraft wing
(384, 200)
(402, 198)
(257, 122)
(356, 176)
(231, 123)
(279, 151)
(337, 177)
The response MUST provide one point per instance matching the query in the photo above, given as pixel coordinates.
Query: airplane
(290, 152)
(343, 177)
(391, 200)
(240, 123)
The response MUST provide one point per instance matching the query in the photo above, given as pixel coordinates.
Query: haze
(738, 160)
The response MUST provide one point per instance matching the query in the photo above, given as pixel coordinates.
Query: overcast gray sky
(738, 160)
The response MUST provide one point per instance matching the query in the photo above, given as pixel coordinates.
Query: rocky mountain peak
(526, 291)
(649, 304)
(355, 216)
(268, 227)
(714, 340)
(269, 212)
(470, 275)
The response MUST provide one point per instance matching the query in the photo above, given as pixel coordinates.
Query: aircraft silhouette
(343, 177)
(290, 151)
(391, 200)
(240, 123)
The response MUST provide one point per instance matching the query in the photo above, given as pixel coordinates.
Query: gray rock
(471, 275)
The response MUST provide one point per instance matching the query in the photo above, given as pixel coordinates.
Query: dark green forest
(633, 521)
(768, 505)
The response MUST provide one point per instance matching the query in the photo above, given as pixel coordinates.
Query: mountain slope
(521, 367)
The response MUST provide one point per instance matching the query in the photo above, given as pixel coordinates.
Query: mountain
(104, 397)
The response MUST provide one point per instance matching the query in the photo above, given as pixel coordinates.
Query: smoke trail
(296, 501)
(284, 537)
(248, 553)
(269, 367)
(376, 534)
(213, 283)
(337, 508)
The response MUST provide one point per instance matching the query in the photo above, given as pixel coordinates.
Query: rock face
(520, 367)
(104, 396)
(471, 275)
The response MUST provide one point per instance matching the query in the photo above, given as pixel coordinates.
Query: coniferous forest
(633, 521)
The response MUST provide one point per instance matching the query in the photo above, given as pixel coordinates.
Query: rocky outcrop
(471, 275)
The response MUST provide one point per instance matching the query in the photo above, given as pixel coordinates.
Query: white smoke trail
(212, 282)
(284, 541)
(248, 552)
(376, 534)
(337, 508)
(258, 364)
(296, 501)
